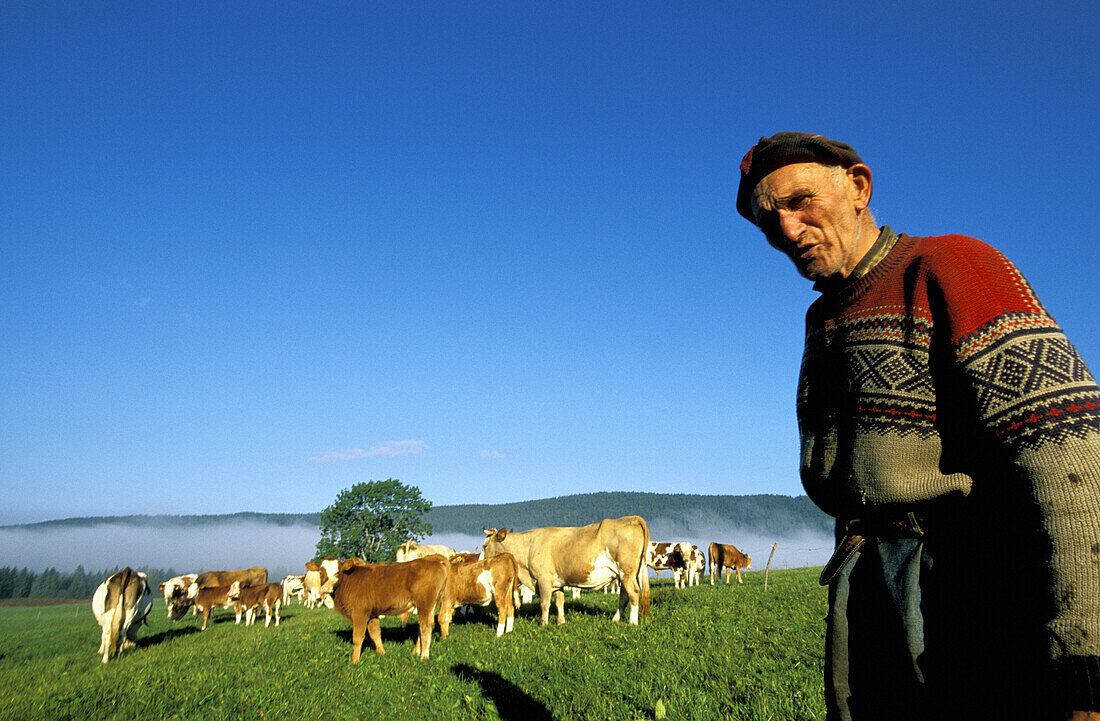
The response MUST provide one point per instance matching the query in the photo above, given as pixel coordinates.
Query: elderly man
(954, 432)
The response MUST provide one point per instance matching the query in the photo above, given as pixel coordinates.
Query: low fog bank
(285, 549)
(281, 549)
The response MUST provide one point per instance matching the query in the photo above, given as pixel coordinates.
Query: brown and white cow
(209, 598)
(318, 581)
(696, 564)
(120, 605)
(669, 556)
(723, 556)
(248, 599)
(365, 592)
(409, 550)
(175, 589)
(480, 583)
(589, 556)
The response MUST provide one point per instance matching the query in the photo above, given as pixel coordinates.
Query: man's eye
(797, 202)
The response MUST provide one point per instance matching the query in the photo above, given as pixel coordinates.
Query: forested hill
(765, 514)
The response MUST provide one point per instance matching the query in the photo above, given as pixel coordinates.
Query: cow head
(234, 591)
(494, 540)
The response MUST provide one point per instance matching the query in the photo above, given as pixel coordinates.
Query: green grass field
(727, 652)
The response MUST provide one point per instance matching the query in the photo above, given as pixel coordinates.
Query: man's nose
(791, 225)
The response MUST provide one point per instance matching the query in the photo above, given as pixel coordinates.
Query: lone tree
(370, 520)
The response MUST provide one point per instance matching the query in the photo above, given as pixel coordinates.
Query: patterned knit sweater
(939, 375)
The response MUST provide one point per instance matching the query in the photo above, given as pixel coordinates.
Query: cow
(255, 576)
(669, 556)
(409, 550)
(120, 605)
(209, 598)
(696, 563)
(480, 583)
(589, 556)
(466, 557)
(292, 586)
(248, 598)
(364, 592)
(174, 589)
(723, 556)
(318, 581)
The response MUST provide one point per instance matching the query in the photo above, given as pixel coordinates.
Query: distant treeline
(51, 583)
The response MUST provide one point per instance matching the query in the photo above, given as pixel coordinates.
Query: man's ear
(862, 186)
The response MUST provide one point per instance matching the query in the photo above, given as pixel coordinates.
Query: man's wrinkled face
(809, 212)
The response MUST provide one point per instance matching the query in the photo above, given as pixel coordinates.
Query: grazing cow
(120, 605)
(409, 550)
(175, 589)
(247, 599)
(480, 583)
(663, 556)
(318, 581)
(292, 586)
(209, 598)
(584, 556)
(696, 564)
(364, 592)
(723, 556)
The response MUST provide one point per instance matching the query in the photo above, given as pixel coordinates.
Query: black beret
(783, 149)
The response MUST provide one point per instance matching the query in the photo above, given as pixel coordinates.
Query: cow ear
(500, 535)
(489, 531)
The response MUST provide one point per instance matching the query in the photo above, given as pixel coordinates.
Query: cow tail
(643, 571)
(118, 617)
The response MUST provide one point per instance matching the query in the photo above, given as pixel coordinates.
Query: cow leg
(545, 594)
(425, 621)
(629, 593)
(205, 617)
(739, 576)
(559, 603)
(445, 614)
(358, 631)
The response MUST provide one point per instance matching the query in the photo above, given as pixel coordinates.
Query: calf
(175, 589)
(480, 583)
(724, 556)
(207, 599)
(663, 556)
(364, 592)
(120, 605)
(246, 600)
(696, 563)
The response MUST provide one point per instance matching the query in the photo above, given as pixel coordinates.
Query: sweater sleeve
(1039, 407)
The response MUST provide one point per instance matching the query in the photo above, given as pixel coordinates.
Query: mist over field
(284, 549)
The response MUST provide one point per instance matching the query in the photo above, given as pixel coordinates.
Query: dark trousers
(918, 630)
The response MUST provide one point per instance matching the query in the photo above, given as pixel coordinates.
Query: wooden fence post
(768, 569)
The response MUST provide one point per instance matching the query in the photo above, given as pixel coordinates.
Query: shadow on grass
(390, 634)
(572, 606)
(168, 635)
(511, 702)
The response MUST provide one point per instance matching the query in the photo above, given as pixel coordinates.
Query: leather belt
(860, 530)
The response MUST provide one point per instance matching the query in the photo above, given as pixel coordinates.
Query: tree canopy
(370, 520)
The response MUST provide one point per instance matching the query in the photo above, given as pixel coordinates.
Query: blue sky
(254, 253)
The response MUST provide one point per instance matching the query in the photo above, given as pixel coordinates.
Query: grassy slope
(732, 652)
